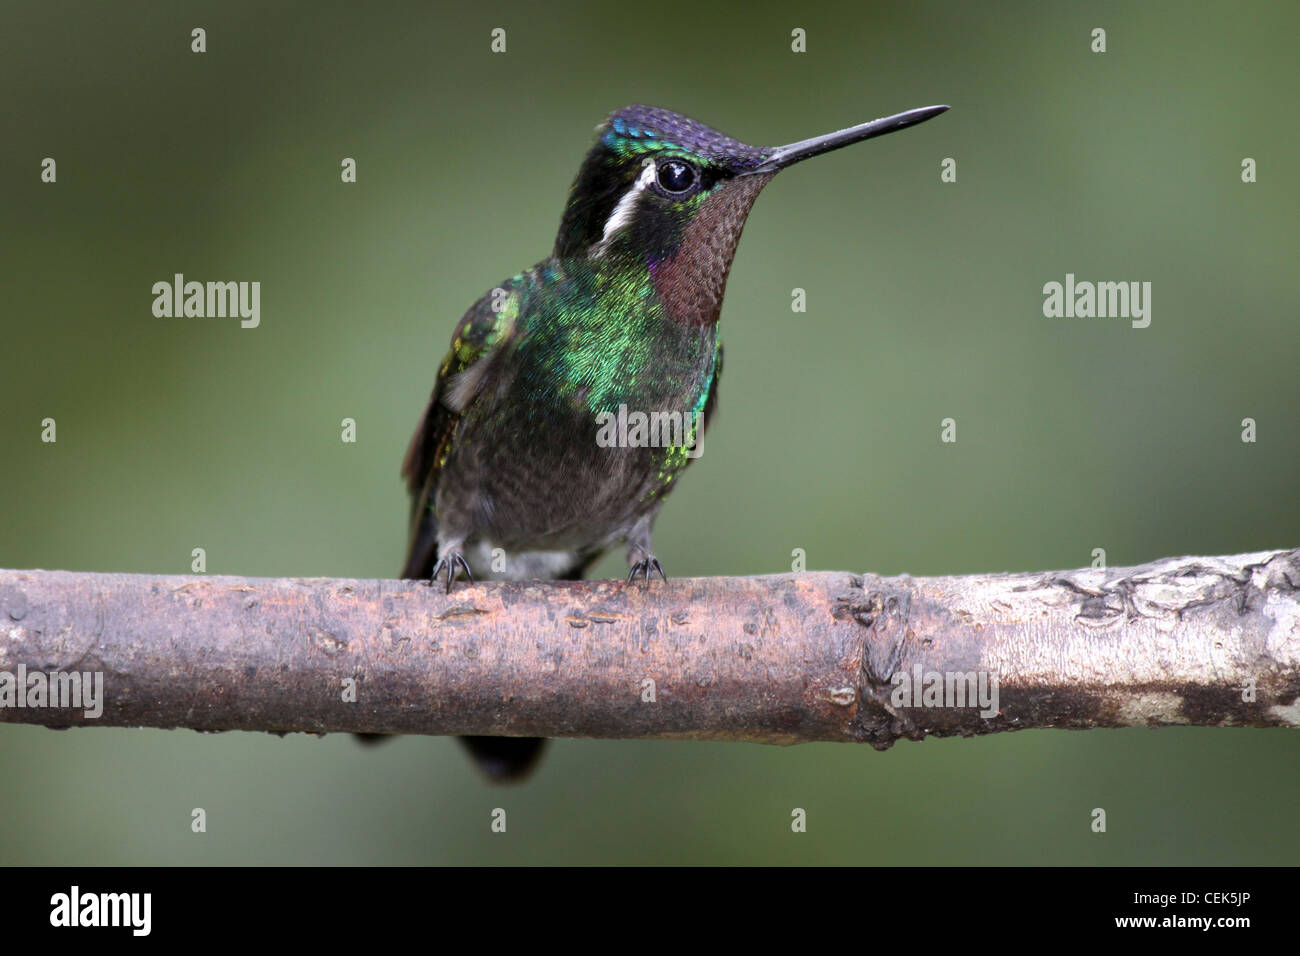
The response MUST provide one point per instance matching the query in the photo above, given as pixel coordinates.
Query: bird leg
(640, 555)
(453, 559)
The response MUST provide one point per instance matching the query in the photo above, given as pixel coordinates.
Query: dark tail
(505, 759)
(511, 759)
(501, 759)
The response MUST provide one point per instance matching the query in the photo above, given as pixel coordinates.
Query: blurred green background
(924, 302)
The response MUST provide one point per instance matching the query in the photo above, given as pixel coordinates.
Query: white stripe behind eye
(622, 213)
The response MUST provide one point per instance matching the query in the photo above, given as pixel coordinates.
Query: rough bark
(777, 659)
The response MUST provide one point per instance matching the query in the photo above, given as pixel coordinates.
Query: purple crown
(640, 129)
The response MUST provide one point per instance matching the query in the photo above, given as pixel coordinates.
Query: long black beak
(782, 156)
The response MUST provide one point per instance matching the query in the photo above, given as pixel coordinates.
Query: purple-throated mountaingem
(505, 468)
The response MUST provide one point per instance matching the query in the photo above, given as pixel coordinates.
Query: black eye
(676, 176)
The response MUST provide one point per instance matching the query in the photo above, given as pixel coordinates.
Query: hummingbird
(507, 472)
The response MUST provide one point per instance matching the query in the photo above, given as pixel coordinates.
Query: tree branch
(778, 659)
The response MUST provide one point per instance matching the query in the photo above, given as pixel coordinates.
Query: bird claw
(450, 561)
(644, 567)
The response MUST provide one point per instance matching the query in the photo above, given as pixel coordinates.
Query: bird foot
(645, 567)
(452, 560)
